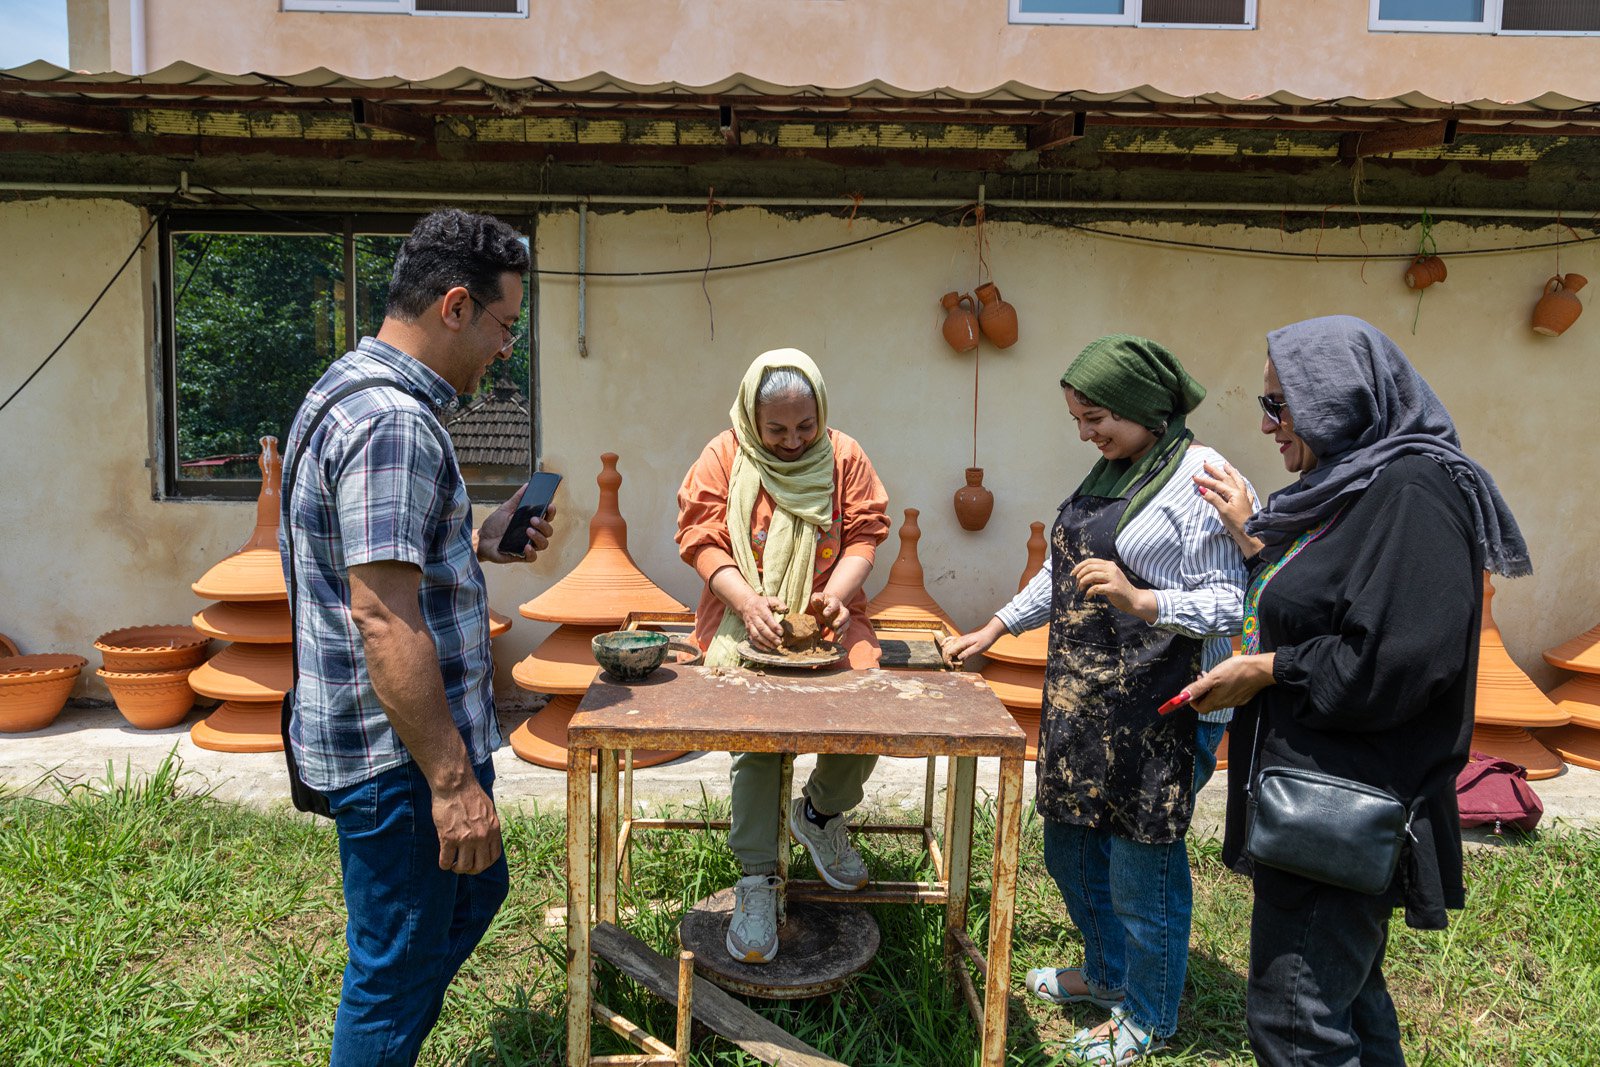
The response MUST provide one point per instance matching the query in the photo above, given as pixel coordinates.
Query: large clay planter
(974, 503)
(151, 700)
(1425, 271)
(960, 324)
(1559, 307)
(151, 648)
(34, 689)
(997, 318)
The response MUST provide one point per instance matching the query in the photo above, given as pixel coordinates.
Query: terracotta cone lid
(542, 739)
(606, 584)
(1032, 648)
(253, 622)
(563, 664)
(1577, 745)
(1015, 686)
(1579, 698)
(1028, 719)
(904, 598)
(498, 624)
(1222, 751)
(1506, 695)
(1519, 746)
(255, 572)
(247, 673)
(240, 727)
(1582, 653)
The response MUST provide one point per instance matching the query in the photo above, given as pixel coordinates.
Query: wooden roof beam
(376, 116)
(63, 113)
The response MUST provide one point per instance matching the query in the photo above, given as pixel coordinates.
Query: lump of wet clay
(800, 633)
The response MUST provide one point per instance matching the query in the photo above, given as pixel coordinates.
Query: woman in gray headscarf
(1360, 660)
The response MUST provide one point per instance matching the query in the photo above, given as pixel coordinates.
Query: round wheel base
(542, 738)
(820, 948)
(1519, 746)
(239, 727)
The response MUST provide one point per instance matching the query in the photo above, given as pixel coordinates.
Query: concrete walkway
(88, 735)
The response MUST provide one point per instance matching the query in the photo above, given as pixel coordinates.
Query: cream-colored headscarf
(801, 491)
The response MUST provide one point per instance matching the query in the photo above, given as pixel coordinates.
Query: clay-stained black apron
(1106, 759)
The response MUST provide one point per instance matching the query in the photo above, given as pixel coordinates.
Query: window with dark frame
(1531, 17)
(255, 308)
(1195, 14)
(479, 8)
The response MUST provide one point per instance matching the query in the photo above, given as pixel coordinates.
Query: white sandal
(1045, 983)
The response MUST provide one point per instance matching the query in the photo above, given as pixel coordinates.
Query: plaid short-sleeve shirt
(380, 482)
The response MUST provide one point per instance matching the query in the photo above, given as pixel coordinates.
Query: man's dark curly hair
(448, 248)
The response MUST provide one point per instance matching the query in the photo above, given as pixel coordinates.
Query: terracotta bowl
(151, 700)
(34, 689)
(629, 655)
(152, 648)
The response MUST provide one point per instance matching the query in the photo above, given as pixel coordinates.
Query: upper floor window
(1548, 17)
(1186, 14)
(480, 8)
(256, 306)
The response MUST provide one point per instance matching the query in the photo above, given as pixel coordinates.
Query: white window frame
(398, 7)
(1490, 24)
(1132, 13)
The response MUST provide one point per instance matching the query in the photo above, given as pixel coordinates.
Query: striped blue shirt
(1178, 545)
(380, 482)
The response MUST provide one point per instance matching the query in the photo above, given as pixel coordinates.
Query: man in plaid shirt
(394, 708)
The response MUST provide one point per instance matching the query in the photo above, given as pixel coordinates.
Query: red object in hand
(1174, 704)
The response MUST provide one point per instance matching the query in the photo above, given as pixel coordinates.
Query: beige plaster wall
(1319, 50)
(84, 548)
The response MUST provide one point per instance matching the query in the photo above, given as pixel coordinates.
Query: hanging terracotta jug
(960, 324)
(1558, 308)
(1424, 271)
(997, 318)
(974, 503)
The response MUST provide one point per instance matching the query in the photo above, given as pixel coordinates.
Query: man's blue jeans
(411, 924)
(1132, 903)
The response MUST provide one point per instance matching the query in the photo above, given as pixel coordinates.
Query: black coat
(1375, 629)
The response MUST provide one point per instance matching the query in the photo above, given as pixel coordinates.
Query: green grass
(142, 922)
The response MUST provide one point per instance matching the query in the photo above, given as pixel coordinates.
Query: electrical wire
(154, 219)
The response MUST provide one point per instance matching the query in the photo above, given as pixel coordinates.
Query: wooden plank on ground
(763, 1039)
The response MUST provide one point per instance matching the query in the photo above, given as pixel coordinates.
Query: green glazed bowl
(629, 655)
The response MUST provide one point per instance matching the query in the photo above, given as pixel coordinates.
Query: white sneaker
(829, 844)
(753, 929)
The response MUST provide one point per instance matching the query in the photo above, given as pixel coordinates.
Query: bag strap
(287, 491)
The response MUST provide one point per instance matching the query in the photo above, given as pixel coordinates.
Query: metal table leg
(606, 838)
(579, 871)
(1002, 909)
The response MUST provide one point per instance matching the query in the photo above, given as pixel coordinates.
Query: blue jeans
(1132, 903)
(411, 924)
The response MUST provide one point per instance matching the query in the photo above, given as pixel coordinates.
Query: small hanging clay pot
(1558, 308)
(960, 324)
(997, 319)
(974, 503)
(1424, 271)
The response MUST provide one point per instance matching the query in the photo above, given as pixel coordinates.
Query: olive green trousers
(835, 786)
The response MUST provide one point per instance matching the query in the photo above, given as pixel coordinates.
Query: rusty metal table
(886, 713)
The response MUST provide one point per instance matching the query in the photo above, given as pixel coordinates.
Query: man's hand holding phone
(520, 529)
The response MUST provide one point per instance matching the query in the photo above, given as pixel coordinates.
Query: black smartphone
(536, 498)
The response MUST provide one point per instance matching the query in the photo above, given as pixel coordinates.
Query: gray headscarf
(1359, 405)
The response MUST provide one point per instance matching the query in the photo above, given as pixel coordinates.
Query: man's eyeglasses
(1274, 407)
(514, 336)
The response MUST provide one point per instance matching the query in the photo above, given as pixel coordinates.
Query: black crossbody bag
(306, 797)
(1320, 826)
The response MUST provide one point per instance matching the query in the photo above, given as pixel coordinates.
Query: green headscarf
(802, 495)
(1136, 379)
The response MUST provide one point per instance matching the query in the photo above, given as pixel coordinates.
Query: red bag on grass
(1495, 792)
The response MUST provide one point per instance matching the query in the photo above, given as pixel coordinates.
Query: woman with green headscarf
(782, 514)
(1143, 583)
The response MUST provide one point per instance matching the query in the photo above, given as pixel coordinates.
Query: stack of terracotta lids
(595, 597)
(1509, 703)
(1015, 670)
(904, 598)
(252, 673)
(1579, 697)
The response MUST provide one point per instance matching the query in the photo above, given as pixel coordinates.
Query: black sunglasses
(1274, 407)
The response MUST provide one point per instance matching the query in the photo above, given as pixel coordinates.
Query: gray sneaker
(836, 859)
(753, 929)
